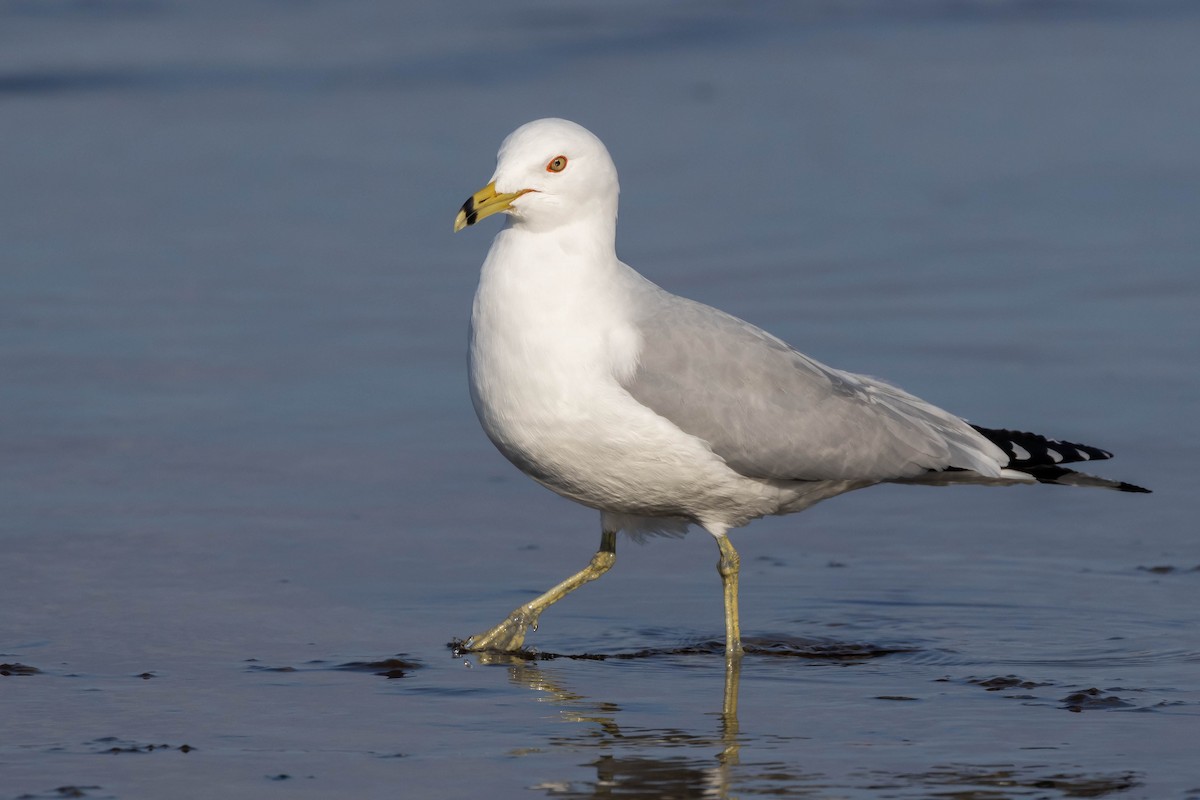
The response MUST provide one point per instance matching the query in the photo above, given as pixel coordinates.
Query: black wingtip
(1064, 476)
(1032, 449)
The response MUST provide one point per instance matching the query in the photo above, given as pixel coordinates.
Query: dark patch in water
(1091, 700)
(258, 668)
(111, 744)
(848, 652)
(62, 791)
(1166, 569)
(18, 669)
(1001, 780)
(999, 684)
(823, 649)
(395, 667)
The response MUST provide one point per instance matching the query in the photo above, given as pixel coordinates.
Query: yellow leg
(728, 566)
(509, 635)
(733, 679)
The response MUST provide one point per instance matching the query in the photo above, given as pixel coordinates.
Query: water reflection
(640, 775)
(717, 763)
(654, 763)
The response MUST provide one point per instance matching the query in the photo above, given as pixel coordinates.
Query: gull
(661, 412)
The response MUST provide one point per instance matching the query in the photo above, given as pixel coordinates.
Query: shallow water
(247, 505)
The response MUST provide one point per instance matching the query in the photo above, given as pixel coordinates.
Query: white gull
(662, 412)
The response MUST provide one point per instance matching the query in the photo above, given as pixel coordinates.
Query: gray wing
(772, 412)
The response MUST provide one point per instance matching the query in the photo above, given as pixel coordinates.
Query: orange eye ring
(557, 164)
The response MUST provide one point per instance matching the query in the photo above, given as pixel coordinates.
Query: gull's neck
(594, 226)
(584, 245)
(544, 279)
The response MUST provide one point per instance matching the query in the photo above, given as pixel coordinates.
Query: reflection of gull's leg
(728, 566)
(729, 718)
(510, 634)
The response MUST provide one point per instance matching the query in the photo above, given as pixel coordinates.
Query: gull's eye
(557, 164)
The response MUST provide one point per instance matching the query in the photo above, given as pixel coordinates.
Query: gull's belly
(587, 439)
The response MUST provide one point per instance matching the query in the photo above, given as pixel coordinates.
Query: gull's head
(549, 172)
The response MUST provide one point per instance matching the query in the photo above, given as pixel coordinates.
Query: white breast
(550, 339)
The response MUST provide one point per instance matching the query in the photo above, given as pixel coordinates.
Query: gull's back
(772, 412)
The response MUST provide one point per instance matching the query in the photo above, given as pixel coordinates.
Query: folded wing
(772, 412)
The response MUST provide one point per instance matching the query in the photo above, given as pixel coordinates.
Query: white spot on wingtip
(1057, 456)
(1083, 455)
(1019, 453)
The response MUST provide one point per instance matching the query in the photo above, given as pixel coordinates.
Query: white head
(549, 172)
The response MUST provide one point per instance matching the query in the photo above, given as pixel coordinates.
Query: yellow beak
(484, 203)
